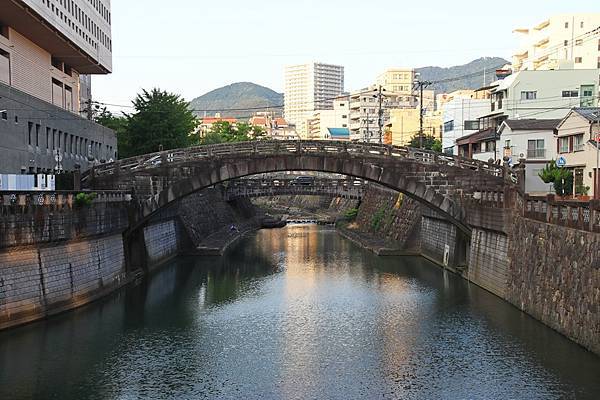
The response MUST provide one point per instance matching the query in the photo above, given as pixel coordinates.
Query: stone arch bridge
(268, 187)
(444, 183)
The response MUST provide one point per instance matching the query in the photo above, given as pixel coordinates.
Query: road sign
(561, 162)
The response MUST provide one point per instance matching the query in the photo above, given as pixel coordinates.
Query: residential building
(577, 141)
(48, 49)
(531, 141)
(206, 123)
(310, 87)
(274, 126)
(566, 39)
(364, 111)
(404, 125)
(460, 112)
(399, 82)
(542, 94)
(323, 120)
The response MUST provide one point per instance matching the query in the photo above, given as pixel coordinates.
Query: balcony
(536, 153)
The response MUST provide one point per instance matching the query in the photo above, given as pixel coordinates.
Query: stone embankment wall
(33, 225)
(190, 221)
(554, 276)
(548, 271)
(52, 260)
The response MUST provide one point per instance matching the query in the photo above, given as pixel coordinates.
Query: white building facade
(559, 40)
(533, 142)
(310, 87)
(460, 117)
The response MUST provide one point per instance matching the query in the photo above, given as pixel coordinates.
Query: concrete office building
(561, 40)
(310, 87)
(48, 50)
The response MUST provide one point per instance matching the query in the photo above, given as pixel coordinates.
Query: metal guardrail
(271, 147)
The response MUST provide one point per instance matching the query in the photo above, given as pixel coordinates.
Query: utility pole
(379, 95)
(422, 85)
(90, 114)
(597, 176)
(367, 134)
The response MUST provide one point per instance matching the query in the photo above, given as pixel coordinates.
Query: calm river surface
(296, 313)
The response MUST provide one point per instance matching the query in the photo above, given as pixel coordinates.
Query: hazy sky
(193, 46)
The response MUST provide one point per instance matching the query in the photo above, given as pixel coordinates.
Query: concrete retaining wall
(162, 241)
(488, 261)
(438, 237)
(37, 282)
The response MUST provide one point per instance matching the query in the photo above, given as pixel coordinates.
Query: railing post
(549, 214)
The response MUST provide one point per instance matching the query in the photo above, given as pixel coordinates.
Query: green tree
(429, 143)
(119, 125)
(161, 120)
(223, 131)
(561, 178)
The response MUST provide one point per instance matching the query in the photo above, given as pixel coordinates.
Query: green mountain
(243, 97)
(472, 73)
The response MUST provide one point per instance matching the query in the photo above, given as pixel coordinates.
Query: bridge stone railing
(25, 201)
(582, 215)
(270, 147)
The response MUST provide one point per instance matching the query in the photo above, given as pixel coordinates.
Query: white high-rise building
(565, 40)
(310, 87)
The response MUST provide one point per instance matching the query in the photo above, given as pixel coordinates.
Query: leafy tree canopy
(224, 131)
(429, 143)
(120, 125)
(561, 178)
(162, 120)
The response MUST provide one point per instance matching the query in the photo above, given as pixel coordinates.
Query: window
(566, 25)
(599, 60)
(563, 145)
(587, 95)
(507, 144)
(535, 148)
(29, 132)
(566, 43)
(47, 138)
(578, 42)
(578, 60)
(581, 24)
(448, 126)
(4, 67)
(570, 93)
(4, 115)
(37, 134)
(471, 125)
(578, 142)
(344, 116)
(528, 95)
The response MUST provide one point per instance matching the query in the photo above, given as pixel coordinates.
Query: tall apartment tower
(310, 87)
(48, 51)
(561, 41)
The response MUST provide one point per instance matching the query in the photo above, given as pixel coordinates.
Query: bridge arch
(439, 181)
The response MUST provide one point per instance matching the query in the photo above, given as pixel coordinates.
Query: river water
(296, 313)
